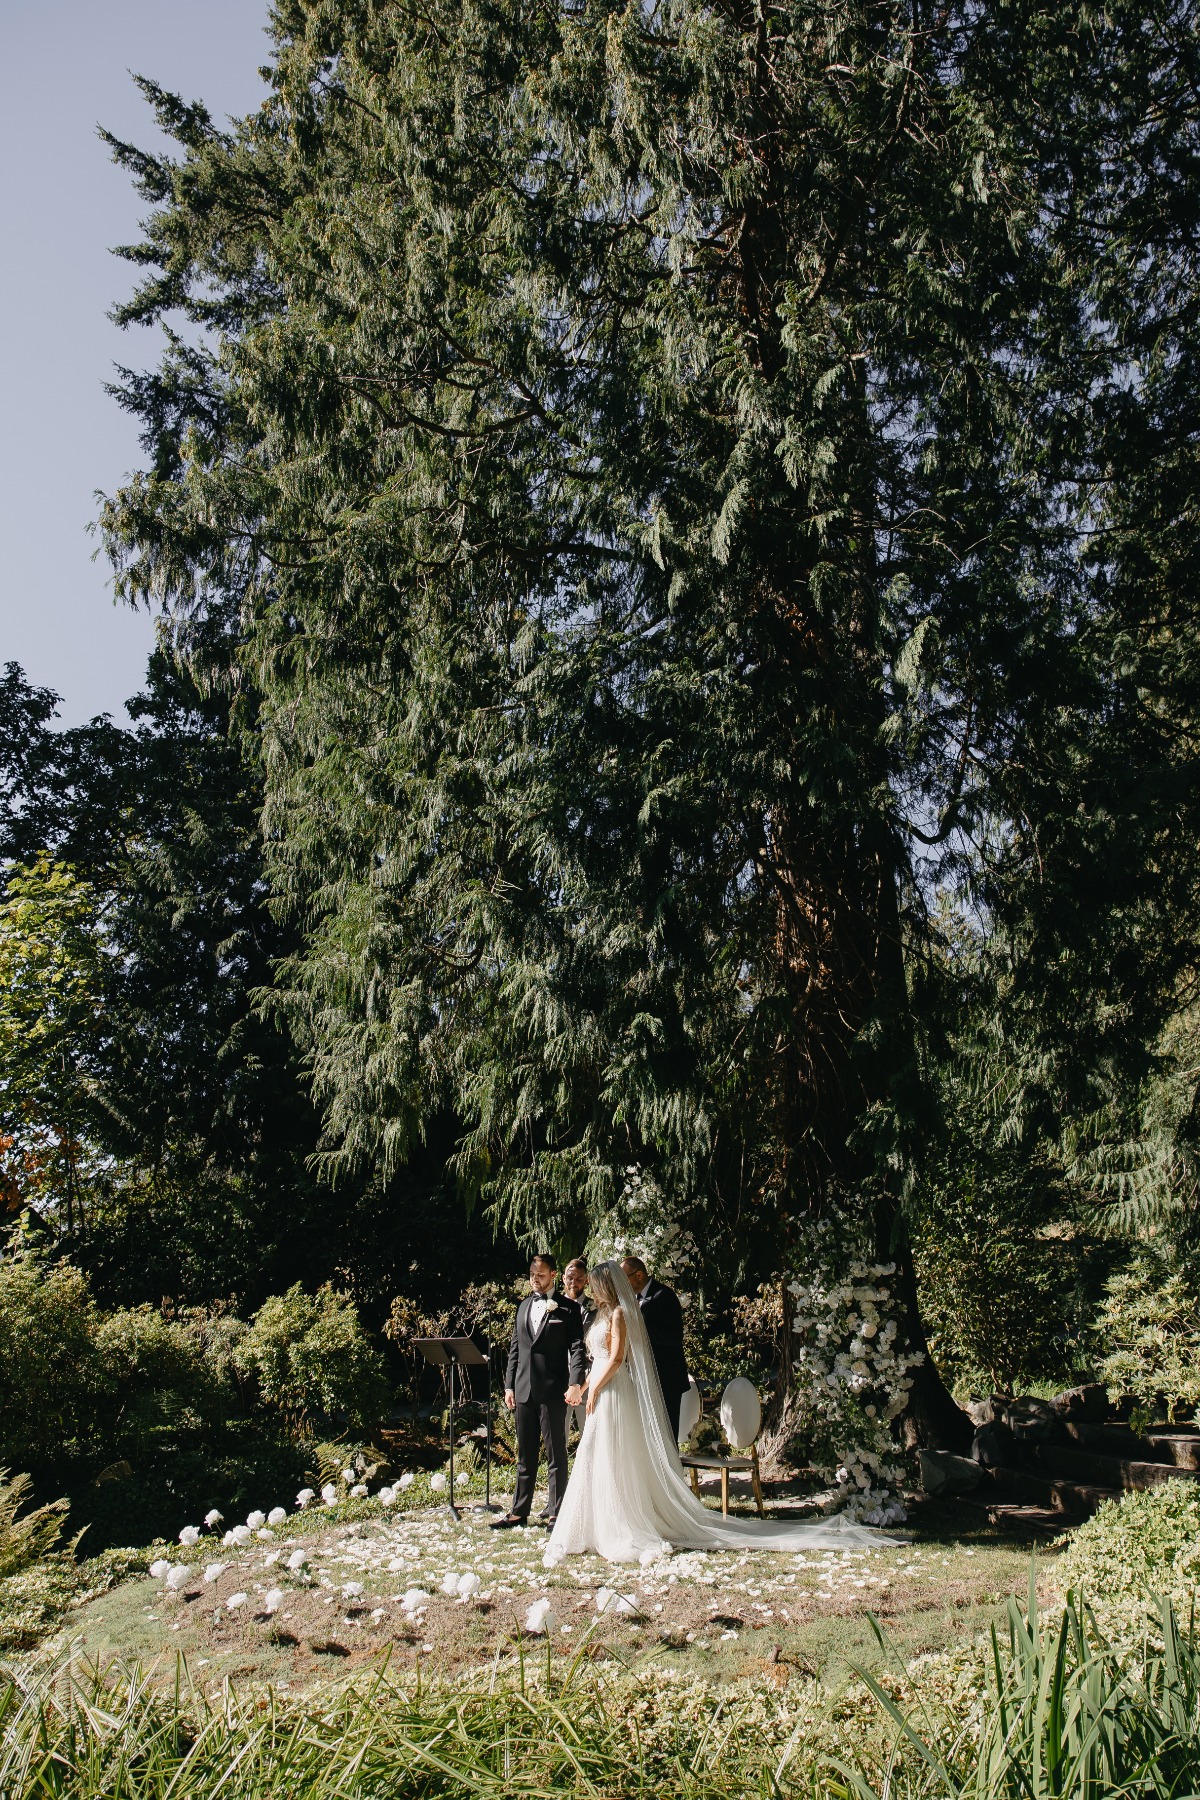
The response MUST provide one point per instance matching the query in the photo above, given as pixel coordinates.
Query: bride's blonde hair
(604, 1290)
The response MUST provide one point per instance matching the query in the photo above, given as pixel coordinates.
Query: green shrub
(1136, 1548)
(53, 1380)
(170, 1375)
(1149, 1329)
(312, 1360)
(1000, 1267)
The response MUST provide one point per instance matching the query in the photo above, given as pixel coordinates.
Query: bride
(627, 1497)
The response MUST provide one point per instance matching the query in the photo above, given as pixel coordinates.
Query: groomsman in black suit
(544, 1377)
(662, 1316)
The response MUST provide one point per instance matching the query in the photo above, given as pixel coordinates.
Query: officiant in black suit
(575, 1286)
(546, 1366)
(662, 1316)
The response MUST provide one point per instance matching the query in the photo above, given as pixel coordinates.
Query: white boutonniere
(551, 1306)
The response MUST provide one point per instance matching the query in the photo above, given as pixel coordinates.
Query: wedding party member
(662, 1316)
(545, 1375)
(575, 1287)
(628, 1498)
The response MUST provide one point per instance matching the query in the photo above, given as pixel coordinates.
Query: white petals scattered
(277, 1515)
(540, 1618)
(608, 1600)
(351, 1589)
(413, 1600)
(297, 1559)
(189, 1535)
(271, 1559)
(236, 1600)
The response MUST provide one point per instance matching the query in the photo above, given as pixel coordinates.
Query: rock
(994, 1446)
(986, 1412)
(944, 1473)
(1034, 1421)
(1083, 1405)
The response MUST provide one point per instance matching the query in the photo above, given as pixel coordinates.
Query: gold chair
(741, 1417)
(727, 1466)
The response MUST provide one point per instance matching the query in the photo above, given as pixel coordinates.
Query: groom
(545, 1373)
(662, 1316)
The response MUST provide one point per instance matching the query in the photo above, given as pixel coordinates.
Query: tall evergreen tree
(648, 452)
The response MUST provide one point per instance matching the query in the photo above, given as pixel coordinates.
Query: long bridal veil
(685, 1522)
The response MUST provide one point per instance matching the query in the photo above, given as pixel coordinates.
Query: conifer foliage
(652, 459)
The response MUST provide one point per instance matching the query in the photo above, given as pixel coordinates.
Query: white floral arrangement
(854, 1374)
(640, 1225)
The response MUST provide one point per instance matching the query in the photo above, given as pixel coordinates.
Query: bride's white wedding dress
(628, 1499)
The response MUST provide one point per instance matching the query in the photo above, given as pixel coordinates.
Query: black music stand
(462, 1353)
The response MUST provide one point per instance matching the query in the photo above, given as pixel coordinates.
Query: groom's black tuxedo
(662, 1316)
(542, 1365)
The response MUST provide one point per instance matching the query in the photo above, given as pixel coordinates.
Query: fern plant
(26, 1538)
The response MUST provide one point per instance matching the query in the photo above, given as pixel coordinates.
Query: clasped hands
(573, 1396)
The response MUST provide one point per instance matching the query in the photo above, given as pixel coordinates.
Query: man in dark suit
(545, 1373)
(662, 1316)
(575, 1286)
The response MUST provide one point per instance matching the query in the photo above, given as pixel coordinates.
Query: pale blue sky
(63, 205)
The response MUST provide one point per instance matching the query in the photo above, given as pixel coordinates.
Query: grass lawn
(724, 1616)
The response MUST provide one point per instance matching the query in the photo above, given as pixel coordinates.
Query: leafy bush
(1149, 1328)
(1000, 1266)
(162, 1376)
(1134, 1549)
(148, 1419)
(52, 1375)
(312, 1360)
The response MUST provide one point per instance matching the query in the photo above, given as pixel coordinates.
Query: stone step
(1112, 1440)
(1178, 1444)
(1097, 1470)
(1071, 1499)
(1018, 1515)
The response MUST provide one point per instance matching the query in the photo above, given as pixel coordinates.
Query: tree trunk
(846, 1055)
(848, 1052)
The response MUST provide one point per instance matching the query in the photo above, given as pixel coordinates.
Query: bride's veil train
(652, 1485)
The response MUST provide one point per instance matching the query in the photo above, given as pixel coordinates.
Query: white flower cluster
(640, 1225)
(854, 1375)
